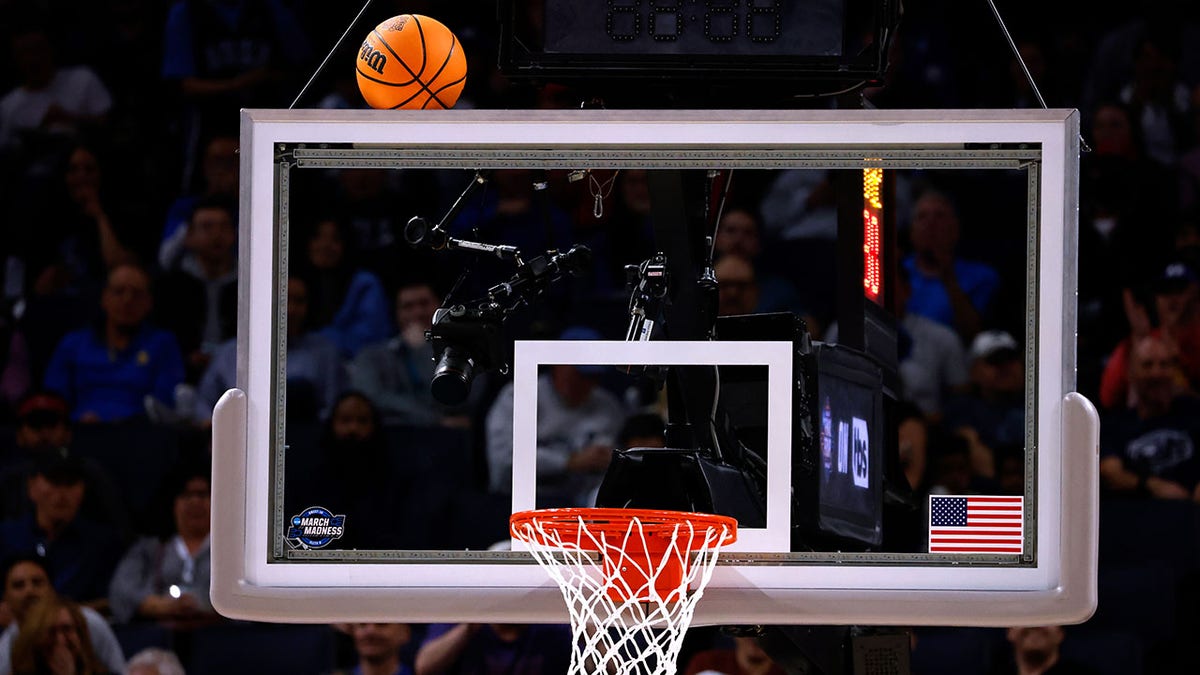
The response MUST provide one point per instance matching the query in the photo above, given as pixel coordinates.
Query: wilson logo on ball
(375, 59)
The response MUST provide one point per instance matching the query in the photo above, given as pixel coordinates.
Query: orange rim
(653, 522)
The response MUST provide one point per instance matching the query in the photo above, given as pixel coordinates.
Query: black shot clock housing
(799, 46)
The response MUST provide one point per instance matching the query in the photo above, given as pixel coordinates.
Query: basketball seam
(449, 54)
(384, 83)
(424, 53)
(445, 87)
(399, 60)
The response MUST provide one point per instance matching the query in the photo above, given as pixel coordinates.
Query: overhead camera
(468, 339)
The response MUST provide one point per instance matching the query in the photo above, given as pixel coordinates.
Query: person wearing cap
(991, 413)
(1177, 308)
(43, 426)
(26, 580)
(81, 552)
(1150, 449)
(577, 424)
(42, 422)
(108, 371)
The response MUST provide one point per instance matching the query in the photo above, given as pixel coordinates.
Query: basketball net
(631, 579)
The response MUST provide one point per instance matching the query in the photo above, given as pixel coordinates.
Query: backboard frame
(1056, 586)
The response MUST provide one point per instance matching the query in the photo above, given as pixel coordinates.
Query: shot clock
(795, 41)
(716, 27)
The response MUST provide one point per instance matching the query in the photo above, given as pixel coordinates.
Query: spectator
(1150, 449)
(229, 54)
(801, 204)
(618, 234)
(198, 297)
(365, 201)
(746, 658)
(377, 646)
(43, 427)
(953, 292)
(739, 234)
(220, 172)
(354, 476)
(992, 412)
(577, 425)
(50, 100)
(913, 438)
(1127, 205)
(79, 551)
(167, 579)
(1159, 100)
(111, 371)
(510, 212)
(953, 467)
(487, 649)
(54, 638)
(737, 286)
(1177, 308)
(314, 370)
(155, 661)
(1037, 651)
(71, 251)
(396, 374)
(27, 581)
(346, 303)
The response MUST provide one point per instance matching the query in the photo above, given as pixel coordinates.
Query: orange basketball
(411, 61)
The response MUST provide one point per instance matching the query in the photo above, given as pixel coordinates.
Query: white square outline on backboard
(530, 355)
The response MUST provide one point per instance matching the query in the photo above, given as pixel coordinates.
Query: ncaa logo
(315, 527)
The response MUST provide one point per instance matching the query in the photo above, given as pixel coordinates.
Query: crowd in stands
(118, 319)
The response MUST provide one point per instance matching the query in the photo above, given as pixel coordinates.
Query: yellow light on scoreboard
(872, 234)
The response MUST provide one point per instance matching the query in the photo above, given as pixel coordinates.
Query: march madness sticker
(315, 527)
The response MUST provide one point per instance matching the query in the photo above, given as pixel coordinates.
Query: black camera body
(467, 341)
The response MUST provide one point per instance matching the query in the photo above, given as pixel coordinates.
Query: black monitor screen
(850, 417)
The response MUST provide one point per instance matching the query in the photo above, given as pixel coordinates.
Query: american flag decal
(976, 524)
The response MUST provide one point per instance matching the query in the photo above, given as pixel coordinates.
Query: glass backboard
(285, 549)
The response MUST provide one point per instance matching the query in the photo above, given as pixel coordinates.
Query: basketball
(411, 61)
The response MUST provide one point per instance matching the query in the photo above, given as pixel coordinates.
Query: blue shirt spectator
(945, 288)
(346, 304)
(106, 372)
(931, 299)
(224, 42)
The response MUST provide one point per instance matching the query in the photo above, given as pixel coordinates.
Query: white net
(631, 586)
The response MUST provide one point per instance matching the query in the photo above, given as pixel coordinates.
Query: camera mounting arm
(420, 234)
(468, 338)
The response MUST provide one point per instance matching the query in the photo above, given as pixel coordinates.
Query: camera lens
(452, 377)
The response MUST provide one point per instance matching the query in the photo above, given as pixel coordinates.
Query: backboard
(267, 566)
